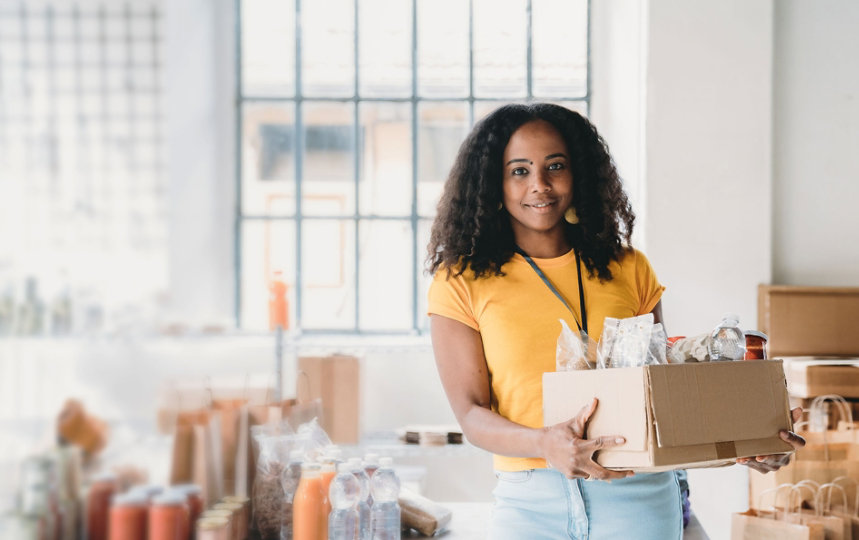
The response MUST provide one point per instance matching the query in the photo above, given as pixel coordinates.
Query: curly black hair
(470, 231)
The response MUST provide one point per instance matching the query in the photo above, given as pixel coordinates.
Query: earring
(500, 206)
(570, 216)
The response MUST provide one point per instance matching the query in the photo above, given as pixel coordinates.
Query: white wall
(199, 108)
(816, 143)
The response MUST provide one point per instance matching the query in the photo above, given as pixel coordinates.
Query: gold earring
(500, 206)
(570, 216)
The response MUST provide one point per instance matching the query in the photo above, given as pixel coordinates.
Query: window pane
(385, 48)
(267, 247)
(560, 47)
(500, 48)
(424, 280)
(441, 129)
(580, 107)
(386, 159)
(268, 159)
(386, 274)
(268, 47)
(483, 108)
(328, 272)
(328, 48)
(328, 180)
(443, 48)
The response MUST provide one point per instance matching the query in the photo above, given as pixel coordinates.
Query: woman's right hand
(567, 449)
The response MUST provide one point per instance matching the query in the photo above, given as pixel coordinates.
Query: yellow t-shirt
(517, 317)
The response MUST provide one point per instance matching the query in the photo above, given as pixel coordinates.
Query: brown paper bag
(756, 525)
(197, 456)
(230, 411)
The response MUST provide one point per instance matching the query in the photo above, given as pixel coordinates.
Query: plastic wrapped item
(689, 349)
(274, 446)
(574, 351)
(631, 342)
(727, 341)
(422, 514)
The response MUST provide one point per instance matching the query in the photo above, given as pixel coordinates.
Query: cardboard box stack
(812, 329)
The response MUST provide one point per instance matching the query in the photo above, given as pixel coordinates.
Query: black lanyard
(583, 328)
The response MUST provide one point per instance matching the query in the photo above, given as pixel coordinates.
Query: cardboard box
(809, 321)
(678, 415)
(336, 380)
(808, 378)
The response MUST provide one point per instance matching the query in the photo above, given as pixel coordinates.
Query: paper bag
(231, 411)
(755, 525)
(197, 456)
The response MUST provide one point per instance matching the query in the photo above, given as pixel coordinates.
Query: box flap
(621, 394)
(716, 402)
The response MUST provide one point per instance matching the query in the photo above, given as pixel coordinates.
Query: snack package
(689, 349)
(624, 342)
(273, 444)
(657, 350)
(422, 514)
(574, 351)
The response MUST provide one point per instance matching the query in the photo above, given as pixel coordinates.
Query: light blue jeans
(543, 504)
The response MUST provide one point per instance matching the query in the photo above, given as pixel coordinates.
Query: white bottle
(727, 342)
(364, 530)
(385, 513)
(343, 493)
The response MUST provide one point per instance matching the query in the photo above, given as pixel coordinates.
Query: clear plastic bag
(574, 351)
(632, 342)
(272, 443)
(690, 349)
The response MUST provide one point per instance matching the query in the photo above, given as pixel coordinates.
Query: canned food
(756, 345)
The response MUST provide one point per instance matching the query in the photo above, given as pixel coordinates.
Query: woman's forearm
(492, 432)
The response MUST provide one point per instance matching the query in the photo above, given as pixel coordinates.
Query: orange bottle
(278, 307)
(169, 517)
(129, 514)
(307, 505)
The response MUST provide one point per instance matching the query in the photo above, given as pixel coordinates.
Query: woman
(534, 188)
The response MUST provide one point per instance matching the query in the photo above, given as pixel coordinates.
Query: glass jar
(756, 345)
(169, 517)
(129, 514)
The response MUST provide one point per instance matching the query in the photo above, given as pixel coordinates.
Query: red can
(169, 517)
(756, 345)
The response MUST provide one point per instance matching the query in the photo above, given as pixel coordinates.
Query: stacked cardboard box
(812, 329)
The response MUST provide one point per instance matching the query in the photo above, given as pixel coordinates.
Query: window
(83, 224)
(349, 123)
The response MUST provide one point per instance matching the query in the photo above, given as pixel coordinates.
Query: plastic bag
(624, 342)
(574, 351)
(272, 444)
(632, 342)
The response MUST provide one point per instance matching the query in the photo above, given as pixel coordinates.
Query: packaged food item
(169, 517)
(631, 342)
(236, 513)
(99, 495)
(194, 496)
(213, 528)
(274, 446)
(244, 515)
(571, 352)
(756, 345)
(129, 513)
(425, 516)
(307, 506)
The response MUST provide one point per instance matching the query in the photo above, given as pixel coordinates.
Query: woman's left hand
(765, 464)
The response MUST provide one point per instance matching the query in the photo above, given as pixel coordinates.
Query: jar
(129, 513)
(35, 503)
(222, 514)
(756, 345)
(245, 515)
(237, 513)
(169, 517)
(213, 528)
(194, 496)
(149, 491)
(99, 494)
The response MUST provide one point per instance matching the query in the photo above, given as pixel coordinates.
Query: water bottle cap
(344, 467)
(731, 317)
(386, 461)
(310, 466)
(328, 467)
(371, 458)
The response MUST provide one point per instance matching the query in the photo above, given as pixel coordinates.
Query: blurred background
(177, 177)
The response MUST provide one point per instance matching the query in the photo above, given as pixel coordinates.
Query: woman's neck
(544, 246)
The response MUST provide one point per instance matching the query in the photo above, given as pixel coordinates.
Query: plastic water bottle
(385, 512)
(344, 494)
(727, 342)
(364, 530)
